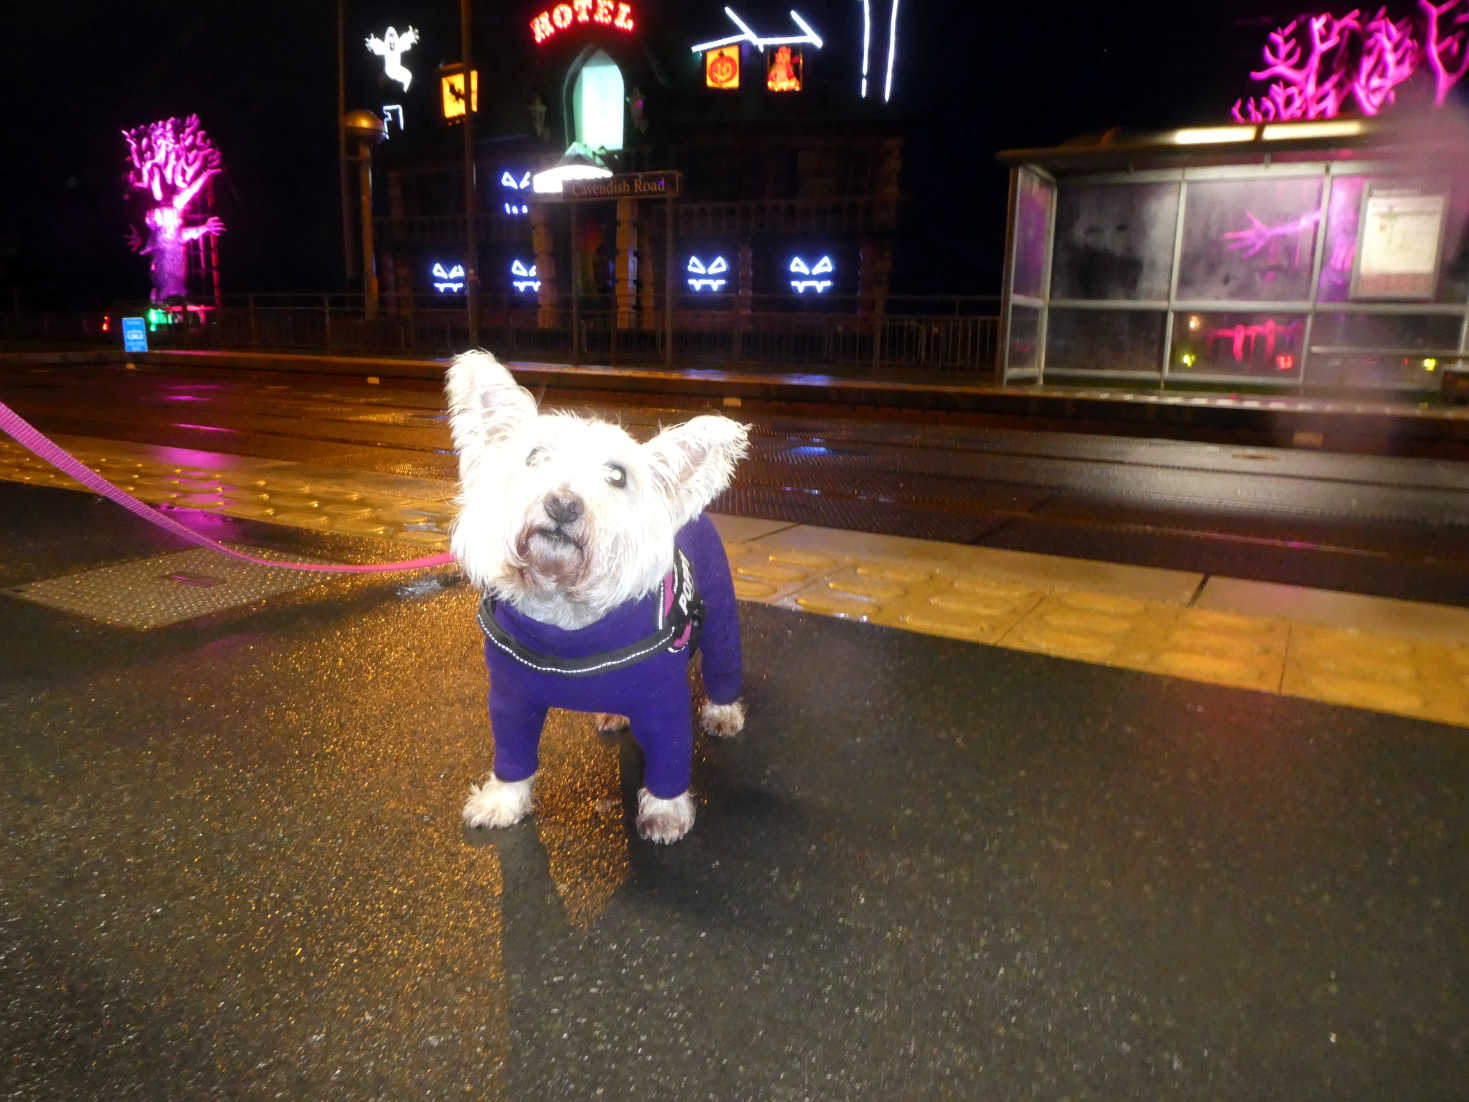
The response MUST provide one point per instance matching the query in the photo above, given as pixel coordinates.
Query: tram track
(1136, 500)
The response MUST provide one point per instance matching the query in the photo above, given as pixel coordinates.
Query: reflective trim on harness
(679, 616)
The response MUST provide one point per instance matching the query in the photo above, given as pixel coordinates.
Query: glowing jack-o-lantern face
(807, 277)
(704, 276)
(511, 182)
(448, 280)
(523, 278)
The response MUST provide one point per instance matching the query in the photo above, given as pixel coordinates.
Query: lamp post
(471, 191)
(366, 129)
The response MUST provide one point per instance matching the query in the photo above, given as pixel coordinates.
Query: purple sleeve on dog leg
(515, 726)
(720, 641)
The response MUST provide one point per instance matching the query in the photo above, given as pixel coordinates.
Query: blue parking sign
(134, 335)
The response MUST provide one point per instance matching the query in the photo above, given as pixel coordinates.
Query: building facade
(776, 129)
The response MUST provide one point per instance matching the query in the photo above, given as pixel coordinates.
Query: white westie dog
(601, 576)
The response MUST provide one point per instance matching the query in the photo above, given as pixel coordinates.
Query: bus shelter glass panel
(1025, 336)
(1249, 240)
(1034, 198)
(1381, 350)
(1262, 346)
(1114, 241)
(1350, 200)
(1107, 341)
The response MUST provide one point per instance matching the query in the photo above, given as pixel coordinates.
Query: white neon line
(751, 35)
(866, 41)
(887, 88)
(812, 35)
(718, 42)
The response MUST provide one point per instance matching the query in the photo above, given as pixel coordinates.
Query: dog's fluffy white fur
(566, 518)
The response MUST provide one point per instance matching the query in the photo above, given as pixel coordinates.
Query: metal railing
(834, 335)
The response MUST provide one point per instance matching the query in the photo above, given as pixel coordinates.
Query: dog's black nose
(563, 508)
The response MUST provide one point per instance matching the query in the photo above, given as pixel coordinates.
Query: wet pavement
(930, 868)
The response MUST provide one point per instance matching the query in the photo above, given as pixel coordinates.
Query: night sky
(971, 80)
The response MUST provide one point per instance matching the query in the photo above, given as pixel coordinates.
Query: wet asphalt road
(233, 868)
(1380, 525)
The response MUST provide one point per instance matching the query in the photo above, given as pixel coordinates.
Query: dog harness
(679, 616)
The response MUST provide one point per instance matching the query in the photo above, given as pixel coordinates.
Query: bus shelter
(1319, 257)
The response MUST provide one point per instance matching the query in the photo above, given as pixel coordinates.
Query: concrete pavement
(931, 868)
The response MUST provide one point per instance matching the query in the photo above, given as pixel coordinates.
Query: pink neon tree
(170, 162)
(1447, 50)
(1317, 62)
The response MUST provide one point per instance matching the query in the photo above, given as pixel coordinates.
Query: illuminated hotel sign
(605, 13)
(451, 90)
(722, 68)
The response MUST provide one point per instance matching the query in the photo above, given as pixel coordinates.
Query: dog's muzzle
(557, 548)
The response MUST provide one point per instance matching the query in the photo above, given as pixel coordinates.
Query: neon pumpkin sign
(604, 13)
(701, 274)
(448, 281)
(799, 267)
(1318, 62)
(508, 180)
(523, 278)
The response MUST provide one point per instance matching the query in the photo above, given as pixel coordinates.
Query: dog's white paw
(722, 720)
(498, 803)
(609, 723)
(664, 821)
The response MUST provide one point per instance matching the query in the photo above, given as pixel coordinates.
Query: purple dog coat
(633, 662)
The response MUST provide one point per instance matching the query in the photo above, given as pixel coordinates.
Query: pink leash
(29, 438)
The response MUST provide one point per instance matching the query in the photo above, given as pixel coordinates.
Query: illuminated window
(710, 275)
(448, 279)
(599, 103)
(807, 277)
(722, 68)
(511, 182)
(451, 91)
(783, 70)
(523, 278)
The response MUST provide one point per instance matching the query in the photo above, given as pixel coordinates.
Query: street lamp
(366, 129)
(537, 117)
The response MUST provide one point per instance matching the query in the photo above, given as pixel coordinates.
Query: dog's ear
(693, 462)
(485, 405)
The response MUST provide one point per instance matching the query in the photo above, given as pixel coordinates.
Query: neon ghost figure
(391, 47)
(448, 280)
(171, 161)
(527, 280)
(699, 274)
(822, 267)
(507, 180)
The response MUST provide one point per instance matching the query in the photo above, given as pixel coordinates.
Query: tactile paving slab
(164, 589)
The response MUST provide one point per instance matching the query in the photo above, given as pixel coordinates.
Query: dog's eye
(616, 475)
(536, 455)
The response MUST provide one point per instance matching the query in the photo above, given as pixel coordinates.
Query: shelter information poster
(1398, 245)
